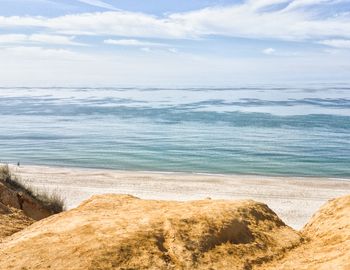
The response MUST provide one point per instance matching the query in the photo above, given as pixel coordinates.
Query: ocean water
(264, 130)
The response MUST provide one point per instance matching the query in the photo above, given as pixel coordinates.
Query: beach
(175, 135)
(294, 199)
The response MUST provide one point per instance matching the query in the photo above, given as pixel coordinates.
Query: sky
(174, 42)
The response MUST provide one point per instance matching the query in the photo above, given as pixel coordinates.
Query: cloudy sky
(173, 42)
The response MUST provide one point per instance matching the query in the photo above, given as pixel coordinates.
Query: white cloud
(146, 49)
(173, 50)
(98, 3)
(12, 38)
(33, 52)
(53, 39)
(37, 38)
(247, 21)
(337, 43)
(269, 51)
(297, 4)
(132, 42)
(261, 4)
(250, 19)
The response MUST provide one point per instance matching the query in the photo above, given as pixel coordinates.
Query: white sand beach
(294, 199)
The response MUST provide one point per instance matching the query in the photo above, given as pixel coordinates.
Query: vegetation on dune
(52, 201)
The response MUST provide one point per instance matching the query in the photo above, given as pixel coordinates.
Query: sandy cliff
(12, 220)
(22, 201)
(124, 232)
(327, 243)
(15, 194)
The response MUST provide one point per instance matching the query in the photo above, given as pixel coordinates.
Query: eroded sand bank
(294, 199)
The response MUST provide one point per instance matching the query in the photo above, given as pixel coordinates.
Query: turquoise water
(265, 130)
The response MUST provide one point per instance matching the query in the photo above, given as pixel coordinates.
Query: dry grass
(52, 201)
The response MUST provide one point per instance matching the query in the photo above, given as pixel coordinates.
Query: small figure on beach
(18, 164)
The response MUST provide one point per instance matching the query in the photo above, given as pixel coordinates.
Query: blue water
(266, 130)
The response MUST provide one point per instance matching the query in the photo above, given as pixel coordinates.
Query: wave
(189, 112)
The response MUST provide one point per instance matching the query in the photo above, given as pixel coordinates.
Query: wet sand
(294, 199)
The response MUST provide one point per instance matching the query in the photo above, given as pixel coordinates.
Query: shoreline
(294, 177)
(294, 199)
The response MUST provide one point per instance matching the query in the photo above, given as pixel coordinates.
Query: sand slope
(328, 240)
(124, 232)
(12, 220)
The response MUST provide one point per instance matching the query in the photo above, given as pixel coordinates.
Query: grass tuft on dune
(52, 201)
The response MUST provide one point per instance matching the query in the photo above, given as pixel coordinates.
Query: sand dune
(327, 241)
(124, 232)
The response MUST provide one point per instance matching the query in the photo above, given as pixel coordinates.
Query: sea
(301, 130)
